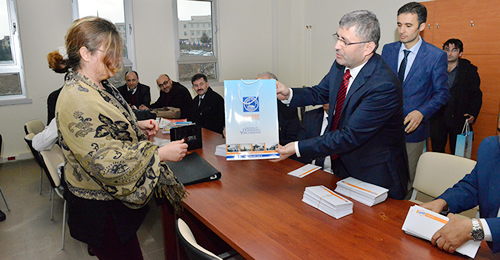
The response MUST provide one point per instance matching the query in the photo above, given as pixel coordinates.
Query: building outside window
(197, 53)
(12, 82)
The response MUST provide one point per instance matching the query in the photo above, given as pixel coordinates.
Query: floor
(28, 232)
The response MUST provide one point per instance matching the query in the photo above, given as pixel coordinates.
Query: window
(197, 54)
(12, 85)
(118, 12)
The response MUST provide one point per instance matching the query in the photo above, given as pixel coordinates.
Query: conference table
(256, 208)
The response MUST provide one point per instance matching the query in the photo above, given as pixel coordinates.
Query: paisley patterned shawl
(107, 156)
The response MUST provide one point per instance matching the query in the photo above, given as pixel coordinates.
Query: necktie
(402, 67)
(340, 102)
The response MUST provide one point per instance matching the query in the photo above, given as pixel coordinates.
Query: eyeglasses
(164, 84)
(344, 43)
(450, 50)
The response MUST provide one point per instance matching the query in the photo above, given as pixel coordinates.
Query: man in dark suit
(421, 67)
(465, 99)
(208, 105)
(366, 136)
(315, 123)
(137, 95)
(479, 188)
(173, 94)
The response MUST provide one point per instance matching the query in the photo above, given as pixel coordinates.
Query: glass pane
(5, 50)
(195, 28)
(111, 10)
(186, 71)
(10, 84)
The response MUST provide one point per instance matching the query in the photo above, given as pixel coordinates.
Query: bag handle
(466, 127)
(249, 83)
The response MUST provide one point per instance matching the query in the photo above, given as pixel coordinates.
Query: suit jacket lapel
(392, 60)
(334, 89)
(419, 59)
(360, 79)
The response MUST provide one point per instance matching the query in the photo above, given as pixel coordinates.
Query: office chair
(34, 127)
(51, 159)
(1, 191)
(195, 251)
(437, 172)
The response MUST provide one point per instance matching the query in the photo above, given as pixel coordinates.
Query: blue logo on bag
(251, 104)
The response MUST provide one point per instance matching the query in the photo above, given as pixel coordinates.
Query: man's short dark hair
(458, 44)
(414, 8)
(366, 23)
(132, 71)
(198, 76)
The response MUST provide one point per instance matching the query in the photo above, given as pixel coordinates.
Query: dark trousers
(440, 135)
(112, 248)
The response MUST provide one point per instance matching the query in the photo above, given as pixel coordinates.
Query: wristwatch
(477, 232)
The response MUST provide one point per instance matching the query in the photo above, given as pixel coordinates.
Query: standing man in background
(465, 99)
(421, 68)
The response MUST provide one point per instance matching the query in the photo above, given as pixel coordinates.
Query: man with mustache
(208, 105)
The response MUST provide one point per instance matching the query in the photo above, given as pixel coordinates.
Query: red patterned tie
(340, 102)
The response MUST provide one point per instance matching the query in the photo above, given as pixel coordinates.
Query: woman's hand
(174, 151)
(149, 127)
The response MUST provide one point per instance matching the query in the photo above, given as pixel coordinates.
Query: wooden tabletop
(257, 209)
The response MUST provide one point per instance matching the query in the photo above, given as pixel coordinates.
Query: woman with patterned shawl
(111, 169)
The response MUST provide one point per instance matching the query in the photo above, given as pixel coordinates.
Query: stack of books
(327, 201)
(366, 193)
(423, 223)
(220, 150)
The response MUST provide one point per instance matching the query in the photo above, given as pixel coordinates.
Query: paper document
(304, 170)
(364, 192)
(327, 201)
(423, 223)
(220, 150)
(160, 141)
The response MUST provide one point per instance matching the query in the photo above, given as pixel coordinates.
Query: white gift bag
(251, 119)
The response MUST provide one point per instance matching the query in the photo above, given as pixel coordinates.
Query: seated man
(314, 124)
(208, 106)
(46, 139)
(173, 94)
(477, 188)
(288, 119)
(137, 95)
(51, 104)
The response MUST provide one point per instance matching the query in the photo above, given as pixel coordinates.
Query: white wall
(42, 26)
(246, 37)
(324, 16)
